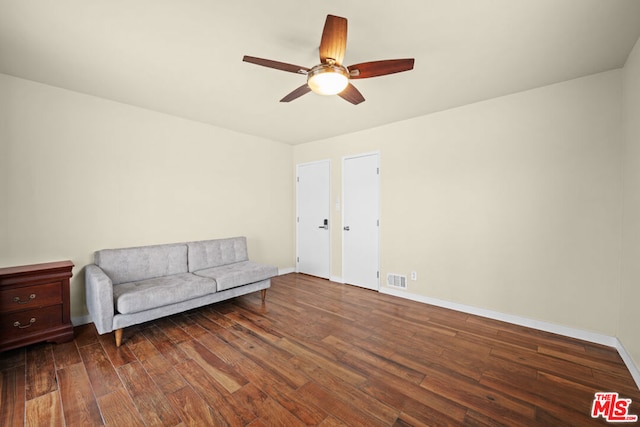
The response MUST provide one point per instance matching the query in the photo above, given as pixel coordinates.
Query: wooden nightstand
(34, 304)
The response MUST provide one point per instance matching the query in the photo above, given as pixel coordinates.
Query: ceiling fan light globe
(326, 79)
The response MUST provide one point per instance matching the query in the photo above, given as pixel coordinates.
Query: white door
(360, 210)
(313, 200)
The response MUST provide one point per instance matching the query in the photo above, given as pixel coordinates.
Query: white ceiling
(185, 57)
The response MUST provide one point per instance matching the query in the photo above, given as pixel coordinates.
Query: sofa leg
(118, 337)
(264, 294)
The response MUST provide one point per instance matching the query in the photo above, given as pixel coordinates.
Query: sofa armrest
(99, 294)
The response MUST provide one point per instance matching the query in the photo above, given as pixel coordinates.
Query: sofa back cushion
(140, 263)
(214, 253)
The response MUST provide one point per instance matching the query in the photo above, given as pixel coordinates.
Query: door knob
(325, 225)
(346, 228)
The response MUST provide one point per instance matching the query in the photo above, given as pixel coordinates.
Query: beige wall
(80, 173)
(4, 170)
(629, 312)
(512, 205)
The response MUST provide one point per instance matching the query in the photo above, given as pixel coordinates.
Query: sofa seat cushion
(238, 274)
(143, 295)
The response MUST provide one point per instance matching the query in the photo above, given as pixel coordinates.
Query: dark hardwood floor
(316, 353)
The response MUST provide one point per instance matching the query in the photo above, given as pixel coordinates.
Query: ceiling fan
(330, 77)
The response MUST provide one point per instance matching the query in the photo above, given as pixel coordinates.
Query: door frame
(328, 161)
(344, 159)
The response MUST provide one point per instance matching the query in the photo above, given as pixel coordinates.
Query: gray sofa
(129, 286)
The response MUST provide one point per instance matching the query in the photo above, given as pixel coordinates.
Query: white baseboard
(530, 323)
(336, 279)
(287, 270)
(626, 357)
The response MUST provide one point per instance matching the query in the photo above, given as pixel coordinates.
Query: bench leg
(118, 337)
(264, 294)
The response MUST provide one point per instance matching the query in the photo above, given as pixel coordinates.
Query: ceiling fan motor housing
(328, 79)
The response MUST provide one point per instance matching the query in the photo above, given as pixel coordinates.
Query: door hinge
(377, 171)
(378, 274)
(297, 179)
(378, 222)
(298, 219)
(298, 259)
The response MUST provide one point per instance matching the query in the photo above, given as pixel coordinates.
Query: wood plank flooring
(316, 353)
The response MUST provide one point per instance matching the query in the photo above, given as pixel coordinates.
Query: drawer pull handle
(31, 322)
(17, 299)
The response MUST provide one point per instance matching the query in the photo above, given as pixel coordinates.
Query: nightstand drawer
(29, 322)
(26, 297)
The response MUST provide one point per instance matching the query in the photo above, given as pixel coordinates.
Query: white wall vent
(397, 280)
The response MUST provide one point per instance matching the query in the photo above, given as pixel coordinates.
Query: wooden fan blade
(380, 68)
(296, 93)
(334, 39)
(352, 95)
(275, 64)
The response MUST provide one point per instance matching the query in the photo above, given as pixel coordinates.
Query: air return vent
(397, 280)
